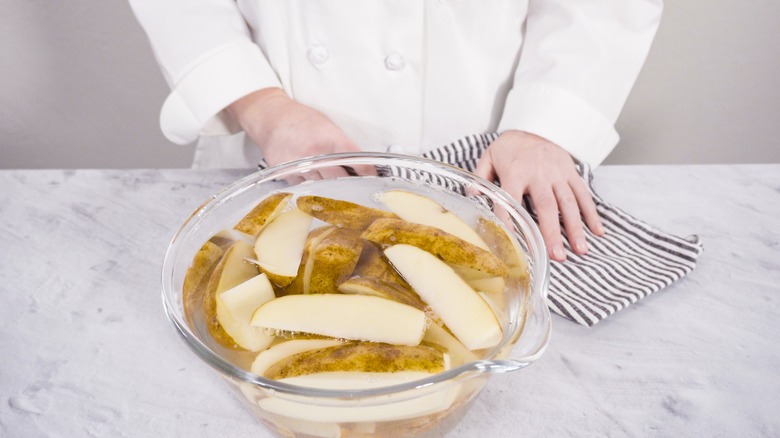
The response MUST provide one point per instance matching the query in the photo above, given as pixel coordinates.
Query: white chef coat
(402, 75)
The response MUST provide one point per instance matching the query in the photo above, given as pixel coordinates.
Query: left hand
(530, 165)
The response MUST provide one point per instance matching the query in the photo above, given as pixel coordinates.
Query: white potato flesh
(422, 210)
(391, 407)
(236, 269)
(465, 313)
(279, 246)
(494, 285)
(306, 428)
(235, 235)
(347, 380)
(288, 348)
(357, 317)
(235, 308)
(457, 352)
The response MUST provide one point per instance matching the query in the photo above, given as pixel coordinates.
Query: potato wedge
(360, 356)
(343, 214)
(333, 260)
(263, 213)
(445, 246)
(231, 271)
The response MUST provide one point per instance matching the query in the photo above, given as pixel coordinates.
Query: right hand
(531, 165)
(286, 130)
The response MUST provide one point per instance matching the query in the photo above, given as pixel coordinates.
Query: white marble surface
(86, 350)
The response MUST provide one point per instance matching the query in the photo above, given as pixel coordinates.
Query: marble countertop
(86, 349)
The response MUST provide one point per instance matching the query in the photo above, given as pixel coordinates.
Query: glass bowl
(428, 406)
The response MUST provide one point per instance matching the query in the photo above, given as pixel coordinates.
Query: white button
(318, 55)
(395, 149)
(394, 62)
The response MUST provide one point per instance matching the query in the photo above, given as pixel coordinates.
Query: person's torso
(408, 75)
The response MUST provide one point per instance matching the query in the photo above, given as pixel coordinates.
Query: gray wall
(710, 89)
(79, 88)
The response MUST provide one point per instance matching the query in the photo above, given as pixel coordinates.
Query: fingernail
(581, 246)
(558, 253)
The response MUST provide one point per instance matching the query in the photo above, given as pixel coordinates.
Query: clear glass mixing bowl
(428, 406)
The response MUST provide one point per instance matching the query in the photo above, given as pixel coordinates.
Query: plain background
(79, 88)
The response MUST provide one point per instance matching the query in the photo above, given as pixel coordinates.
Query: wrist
(529, 140)
(258, 106)
(525, 136)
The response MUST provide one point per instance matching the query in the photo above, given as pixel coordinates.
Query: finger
(311, 175)
(333, 172)
(485, 168)
(516, 185)
(546, 206)
(572, 222)
(349, 146)
(587, 207)
(503, 215)
(362, 170)
(294, 179)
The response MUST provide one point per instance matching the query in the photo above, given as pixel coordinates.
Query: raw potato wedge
(197, 277)
(280, 351)
(231, 271)
(301, 281)
(343, 214)
(378, 288)
(235, 308)
(464, 312)
(480, 281)
(469, 274)
(373, 264)
(423, 210)
(504, 247)
(228, 236)
(497, 303)
(445, 246)
(494, 285)
(332, 260)
(459, 354)
(361, 356)
(356, 380)
(279, 247)
(341, 316)
(263, 213)
(394, 406)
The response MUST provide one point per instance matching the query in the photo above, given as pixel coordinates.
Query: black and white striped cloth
(631, 261)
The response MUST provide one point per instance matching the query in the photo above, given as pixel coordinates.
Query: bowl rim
(540, 280)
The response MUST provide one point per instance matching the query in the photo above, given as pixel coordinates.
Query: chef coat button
(394, 62)
(318, 55)
(395, 149)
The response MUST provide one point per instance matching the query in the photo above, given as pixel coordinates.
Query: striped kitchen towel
(631, 261)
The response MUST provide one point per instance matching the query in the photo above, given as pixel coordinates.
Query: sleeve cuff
(562, 118)
(195, 106)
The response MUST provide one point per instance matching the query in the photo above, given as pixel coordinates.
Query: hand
(286, 130)
(530, 165)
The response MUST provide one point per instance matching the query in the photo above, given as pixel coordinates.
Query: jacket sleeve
(578, 63)
(207, 56)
